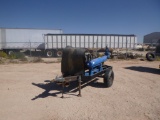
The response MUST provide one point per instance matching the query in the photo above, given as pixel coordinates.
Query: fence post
(30, 47)
(126, 48)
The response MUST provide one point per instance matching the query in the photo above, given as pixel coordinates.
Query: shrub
(12, 56)
(100, 54)
(37, 59)
(1, 61)
(17, 55)
(3, 54)
(158, 58)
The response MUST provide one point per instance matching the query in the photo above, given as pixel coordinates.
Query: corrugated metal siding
(151, 38)
(89, 41)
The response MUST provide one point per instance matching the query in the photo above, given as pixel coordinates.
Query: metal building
(21, 38)
(152, 38)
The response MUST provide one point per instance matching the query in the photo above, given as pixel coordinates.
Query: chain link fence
(37, 49)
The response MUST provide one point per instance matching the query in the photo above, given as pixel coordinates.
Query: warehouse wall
(151, 38)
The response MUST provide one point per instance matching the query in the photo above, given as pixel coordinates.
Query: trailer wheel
(59, 53)
(49, 53)
(108, 78)
(150, 56)
(10, 52)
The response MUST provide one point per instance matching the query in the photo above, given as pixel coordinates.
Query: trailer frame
(81, 77)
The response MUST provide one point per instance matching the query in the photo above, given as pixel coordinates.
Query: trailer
(51, 42)
(55, 43)
(79, 65)
(16, 39)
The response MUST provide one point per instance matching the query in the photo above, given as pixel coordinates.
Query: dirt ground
(26, 94)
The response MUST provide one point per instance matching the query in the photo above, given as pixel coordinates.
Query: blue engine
(95, 65)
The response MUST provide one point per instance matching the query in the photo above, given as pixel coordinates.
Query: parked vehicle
(54, 43)
(51, 42)
(78, 65)
(17, 39)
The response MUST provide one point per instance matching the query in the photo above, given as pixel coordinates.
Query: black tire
(72, 61)
(108, 78)
(66, 61)
(10, 52)
(150, 56)
(49, 53)
(59, 53)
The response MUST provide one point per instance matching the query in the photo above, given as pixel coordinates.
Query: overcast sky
(138, 17)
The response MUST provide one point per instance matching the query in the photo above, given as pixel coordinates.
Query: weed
(12, 56)
(158, 58)
(1, 61)
(100, 54)
(3, 54)
(17, 55)
(37, 59)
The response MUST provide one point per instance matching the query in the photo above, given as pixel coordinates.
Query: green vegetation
(158, 58)
(3, 54)
(17, 55)
(100, 54)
